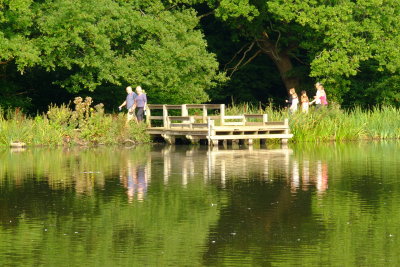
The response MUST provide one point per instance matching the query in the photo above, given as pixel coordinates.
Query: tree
(83, 44)
(333, 37)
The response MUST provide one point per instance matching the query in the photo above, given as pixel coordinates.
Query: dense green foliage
(333, 41)
(183, 50)
(84, 44)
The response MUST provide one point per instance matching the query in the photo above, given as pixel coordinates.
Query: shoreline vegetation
(88, 125)
(85, 125)
(332, 123)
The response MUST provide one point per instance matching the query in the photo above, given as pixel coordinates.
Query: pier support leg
(284, 143)
(193, 141)
(225, 143)
(235, 144)
(212, 143)
(169, 139)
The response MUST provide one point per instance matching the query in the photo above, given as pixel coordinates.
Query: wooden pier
(214, 128)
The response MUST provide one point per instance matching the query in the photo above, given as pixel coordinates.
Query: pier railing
(185, 112)
(213, 126)
(185, 118)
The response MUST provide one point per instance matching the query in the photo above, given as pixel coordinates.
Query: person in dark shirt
(130, 104)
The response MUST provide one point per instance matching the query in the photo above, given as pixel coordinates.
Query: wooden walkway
(213, 128)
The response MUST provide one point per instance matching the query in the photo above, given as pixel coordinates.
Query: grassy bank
(333, 123)
(61, 125)
(89, 125)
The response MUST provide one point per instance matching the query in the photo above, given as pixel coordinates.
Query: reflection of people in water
(319, 177)
(135, 181)
(322, 176)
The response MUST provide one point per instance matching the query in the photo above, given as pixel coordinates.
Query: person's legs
(139, 114)
(130, 116)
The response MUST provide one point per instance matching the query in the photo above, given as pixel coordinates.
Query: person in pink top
(320, 97)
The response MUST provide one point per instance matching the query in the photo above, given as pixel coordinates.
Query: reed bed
(84, 125)
(332, 123)
(87, 125)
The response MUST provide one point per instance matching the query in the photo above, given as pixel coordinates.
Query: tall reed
(332, 123)
(85, 125)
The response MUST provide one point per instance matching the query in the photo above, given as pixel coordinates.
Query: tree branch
(234, 57)
(251, 58)
(243, 57)
(279, 35)
(5, 62)
(268, 47)
(298, 59)
(206, 14)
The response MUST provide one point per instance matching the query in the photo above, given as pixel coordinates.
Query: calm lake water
(310, 205)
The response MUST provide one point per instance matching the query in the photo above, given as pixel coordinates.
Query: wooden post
(284, 141)
(210, 128)
(148, 116)
(185, 113)
(222, 113)
(169, 139)
(193, 140)
(205, 114)
(225, 143)
(184, 110)
(165, 117)
(265, 118)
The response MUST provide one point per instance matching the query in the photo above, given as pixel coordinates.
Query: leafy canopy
(334, 37)
(94, 42)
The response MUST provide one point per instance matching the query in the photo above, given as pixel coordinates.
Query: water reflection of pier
(233, 164)
(138, 168)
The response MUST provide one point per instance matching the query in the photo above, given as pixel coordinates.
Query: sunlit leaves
(93, 42)
(353, 32)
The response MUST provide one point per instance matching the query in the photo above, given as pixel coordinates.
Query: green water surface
(306, 205)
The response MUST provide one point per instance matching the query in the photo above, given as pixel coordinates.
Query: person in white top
(295, 100)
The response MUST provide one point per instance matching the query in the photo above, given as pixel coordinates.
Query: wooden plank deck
(213, 127)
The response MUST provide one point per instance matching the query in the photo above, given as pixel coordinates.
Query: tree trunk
(282, 62)
(284, 65)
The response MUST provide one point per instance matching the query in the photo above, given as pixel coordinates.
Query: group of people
(319, 99)
(138, 101)
(135, 101)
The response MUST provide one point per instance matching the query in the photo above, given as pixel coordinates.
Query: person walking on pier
(140, 103)
(129, 103)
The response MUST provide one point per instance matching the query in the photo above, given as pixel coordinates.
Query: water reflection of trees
(250, 206)
(68, 222)
(81, 169)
